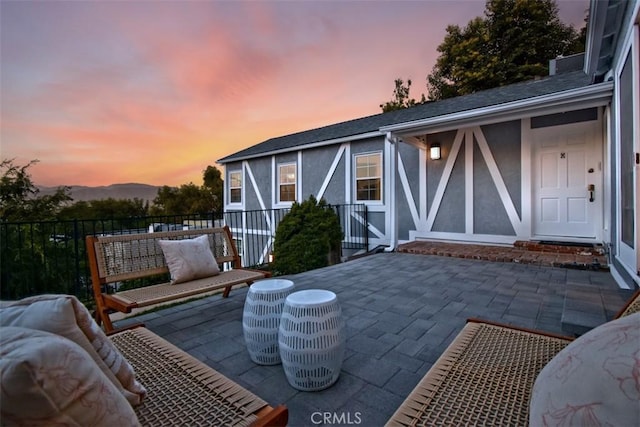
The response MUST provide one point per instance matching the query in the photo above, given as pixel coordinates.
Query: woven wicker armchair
(485, 376)
(181, 390)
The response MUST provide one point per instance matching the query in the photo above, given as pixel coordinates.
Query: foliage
(105, 209)
(19, 198)
(513, 42)
(34, 262)
(401, 97)
(214, 183)
(308, 237)
(190, 198)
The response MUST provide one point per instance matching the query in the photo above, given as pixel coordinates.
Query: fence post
(366, 228)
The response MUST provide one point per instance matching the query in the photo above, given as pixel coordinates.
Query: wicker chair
(485, 376)
(181, 390)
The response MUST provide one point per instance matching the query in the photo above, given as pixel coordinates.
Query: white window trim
(355, 179)
(229, 188)
(280, 203)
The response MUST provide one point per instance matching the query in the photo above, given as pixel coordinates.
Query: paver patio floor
(401, 311)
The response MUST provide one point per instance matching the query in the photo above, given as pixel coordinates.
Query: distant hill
(114, 191)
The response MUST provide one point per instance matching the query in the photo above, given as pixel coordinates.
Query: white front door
(567, 182)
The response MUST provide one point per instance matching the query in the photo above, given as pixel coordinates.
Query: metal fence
(50, 256)
(254, 231)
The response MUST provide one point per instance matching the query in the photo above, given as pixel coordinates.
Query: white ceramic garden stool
(312, 339)
(261, 319)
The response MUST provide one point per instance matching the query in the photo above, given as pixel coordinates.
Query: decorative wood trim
(332, 171)
(526, 180)
(444, 179)
(407, 192)
(422, 198)
(371, 228)
(505, 197)
(468, 181)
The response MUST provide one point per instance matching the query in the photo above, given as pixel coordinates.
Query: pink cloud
(106, 92)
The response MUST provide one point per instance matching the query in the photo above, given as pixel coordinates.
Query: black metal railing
(50, 256)
(254, 231)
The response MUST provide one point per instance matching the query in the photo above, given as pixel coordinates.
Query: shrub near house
(308, 237)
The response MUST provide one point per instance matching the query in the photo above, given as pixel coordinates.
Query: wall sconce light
(270, 257)
(434, 152)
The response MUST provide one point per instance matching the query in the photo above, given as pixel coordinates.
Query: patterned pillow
(49, 380)
(593, 381)
(66, 316)
(189, 259)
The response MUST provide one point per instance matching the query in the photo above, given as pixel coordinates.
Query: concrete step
(586, 249)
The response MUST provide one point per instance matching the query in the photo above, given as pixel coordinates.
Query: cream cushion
(595, 380)
(49, 380)
(66, 316)
(189, 259)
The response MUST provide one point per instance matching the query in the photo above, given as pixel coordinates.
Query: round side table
(261, 319)
(312, 339)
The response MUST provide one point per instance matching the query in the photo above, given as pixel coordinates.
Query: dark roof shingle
(482, 99)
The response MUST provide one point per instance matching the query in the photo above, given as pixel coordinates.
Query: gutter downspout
(392, 143)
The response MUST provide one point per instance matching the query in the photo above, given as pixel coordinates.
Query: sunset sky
(105, 92)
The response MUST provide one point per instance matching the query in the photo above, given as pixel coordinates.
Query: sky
(104, 92)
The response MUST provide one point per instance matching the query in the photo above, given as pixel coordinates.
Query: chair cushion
(592, 381)
(66, 316)
(189, 259)
(50, 380)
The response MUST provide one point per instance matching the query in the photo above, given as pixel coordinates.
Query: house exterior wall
(481, 190)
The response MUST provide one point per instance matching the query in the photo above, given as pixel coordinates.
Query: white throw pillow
(66, 316)
(189, 259)
(592, 381)
(49, 380)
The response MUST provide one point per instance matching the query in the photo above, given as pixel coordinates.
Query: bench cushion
(50, 380)
(594, 380)
(155, 294)
(189, 259)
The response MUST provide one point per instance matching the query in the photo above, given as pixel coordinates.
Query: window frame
(356, 179)
(231, 187)
(279, 183)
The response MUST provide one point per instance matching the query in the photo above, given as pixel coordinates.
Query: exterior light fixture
(434, 152)
(270, 257)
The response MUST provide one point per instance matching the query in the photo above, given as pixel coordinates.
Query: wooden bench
(485, 376)
(117, 258)
(183, 390)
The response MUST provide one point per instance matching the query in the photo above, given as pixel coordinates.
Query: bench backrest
(132, 256)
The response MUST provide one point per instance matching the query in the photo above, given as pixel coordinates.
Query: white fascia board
(350, 138)
(595, 30)
(584, 97)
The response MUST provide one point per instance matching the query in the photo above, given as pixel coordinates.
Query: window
(235, 187)
(287, 182)
(369, 177)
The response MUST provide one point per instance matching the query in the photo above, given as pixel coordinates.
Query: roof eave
(333, 141)
(585, 97)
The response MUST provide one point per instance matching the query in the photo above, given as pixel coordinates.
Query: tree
(105, 208)
(19, 198)
(213, 182)
(189, 198)
(28, 270)
(400, 98)
(308, 237)
(513, 42)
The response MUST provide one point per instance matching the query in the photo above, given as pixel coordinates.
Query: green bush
(308, 237)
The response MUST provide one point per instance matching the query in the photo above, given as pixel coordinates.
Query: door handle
(592, 190)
